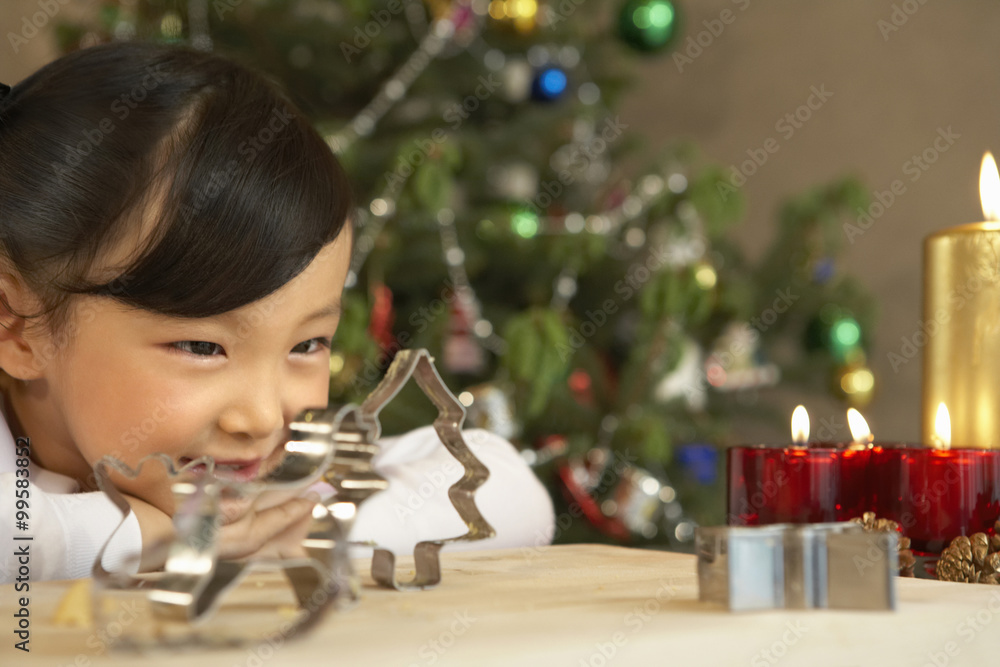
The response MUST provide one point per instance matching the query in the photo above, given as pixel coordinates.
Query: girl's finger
(288, 543)
(273, 498)
(253, 531)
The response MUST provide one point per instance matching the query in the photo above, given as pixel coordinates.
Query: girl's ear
(20, 350)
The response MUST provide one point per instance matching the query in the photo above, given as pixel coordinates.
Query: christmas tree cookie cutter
(786, 566)
(354, 477)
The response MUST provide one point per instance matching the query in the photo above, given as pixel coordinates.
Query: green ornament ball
(845, 337)
(648, 25)
(524, 222)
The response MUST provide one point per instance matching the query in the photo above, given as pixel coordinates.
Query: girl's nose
(255, 411)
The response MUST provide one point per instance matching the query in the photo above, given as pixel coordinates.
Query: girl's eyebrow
(334, 308)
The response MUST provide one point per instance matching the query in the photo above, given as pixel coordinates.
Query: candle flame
(860, 432)
(942, 428)
(989, 187)
(800, 426)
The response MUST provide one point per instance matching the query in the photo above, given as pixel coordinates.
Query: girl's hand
(270, 527)
(245, 529)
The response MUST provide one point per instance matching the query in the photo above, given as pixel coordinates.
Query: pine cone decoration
(871, 524)
(974, 559)
(955, 563)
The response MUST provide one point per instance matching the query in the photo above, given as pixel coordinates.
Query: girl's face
(130, 383)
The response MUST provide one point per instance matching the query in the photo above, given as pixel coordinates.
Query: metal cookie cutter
(809, 566)
(194, 580)
(355, 479)
(335, 444)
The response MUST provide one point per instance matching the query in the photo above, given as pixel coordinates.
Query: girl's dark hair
(224, 188)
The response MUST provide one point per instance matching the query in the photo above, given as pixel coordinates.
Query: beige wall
(18, 60)
(890, 96)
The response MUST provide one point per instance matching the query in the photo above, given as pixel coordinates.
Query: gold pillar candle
(961, 324)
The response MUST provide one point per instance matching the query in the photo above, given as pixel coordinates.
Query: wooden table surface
(573, 605)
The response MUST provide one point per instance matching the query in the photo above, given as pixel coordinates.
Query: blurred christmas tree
(597, 316)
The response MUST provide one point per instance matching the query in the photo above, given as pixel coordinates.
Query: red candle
(773, 484)
(935, 494)
(810, 482)
(938, 494)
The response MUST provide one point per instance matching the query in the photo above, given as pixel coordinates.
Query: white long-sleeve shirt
(68, 527)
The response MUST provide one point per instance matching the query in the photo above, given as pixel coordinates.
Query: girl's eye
(203, 348)
(321, 344)
(199, 348)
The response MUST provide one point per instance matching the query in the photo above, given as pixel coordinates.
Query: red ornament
(581, 385)
(578, 496)
(382, 317)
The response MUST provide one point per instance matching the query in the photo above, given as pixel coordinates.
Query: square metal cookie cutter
(791, 566)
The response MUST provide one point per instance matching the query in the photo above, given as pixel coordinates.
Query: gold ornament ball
(855, 383)
(705, 275)
(522, 14)
(172, 26)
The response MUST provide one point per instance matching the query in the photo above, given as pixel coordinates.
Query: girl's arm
(416, 506)
(67, 531)
(155, 526)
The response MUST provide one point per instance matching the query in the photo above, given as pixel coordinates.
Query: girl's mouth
(233, 470)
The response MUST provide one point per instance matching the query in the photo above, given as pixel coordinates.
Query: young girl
(174, 241)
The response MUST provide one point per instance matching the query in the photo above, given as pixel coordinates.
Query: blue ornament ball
(550, 84)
